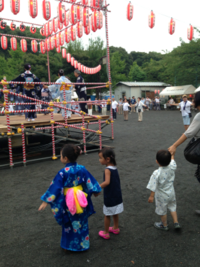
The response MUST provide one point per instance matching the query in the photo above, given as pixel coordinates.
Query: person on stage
(81, 90)
(57, 91)
(45, 96)
(30, 90)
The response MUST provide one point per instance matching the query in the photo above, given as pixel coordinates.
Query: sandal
(114, 231)
(103, 235)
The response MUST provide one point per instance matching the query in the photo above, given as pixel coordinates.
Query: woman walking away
(125, 109)
(139, 109)
(113, 203)
(69, 196)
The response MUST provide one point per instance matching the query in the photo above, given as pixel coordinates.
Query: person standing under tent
(81, 90)
(57, 91)
(30, 90)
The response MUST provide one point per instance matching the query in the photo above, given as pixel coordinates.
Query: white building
(139, 89)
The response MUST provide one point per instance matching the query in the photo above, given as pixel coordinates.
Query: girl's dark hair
(109, 153)
(163, 157)
(197, 99)
(71, 152)
(61, 72)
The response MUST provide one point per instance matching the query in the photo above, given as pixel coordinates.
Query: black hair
(139, 98)
(163, 157)
(109, 153)
(27, 66)
(197, 99)
(71, 152)
(61, 72)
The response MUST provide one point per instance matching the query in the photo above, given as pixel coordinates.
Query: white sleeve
(153, 182)
(173, 165)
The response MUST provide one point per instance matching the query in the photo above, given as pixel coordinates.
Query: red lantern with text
(55, 25)
(52, 42)
(67, 35)
(72, 61)
(73, 14)
(84, 2)
(82, 68)
(12, 26)
(34, 46)
(151, 20)
(75, 64)
(46, 7)
(23, 45)
(87, 29)
(73, 34)
(79, 29)
(66, 22)
(4, 42)
(158, 91)
(33, 8)
(22, 27)
(61, 38)
(47, 45)
(50, 27)
(130, 11)
(100, 20)
(155, 91)
(13, 43)
(33, 29)
(3, 25)
(42, 47)
(56, 40)
(58, 49)
(190, 33)
(68, 57)
(1, 5)
(46, 29)
(96, 19)
(79, 13)
(171, 26)
(61, 12)
(60, 25)
(92, 23)
(79, 66)
(86, 17)
(15, 6)
(64, 52)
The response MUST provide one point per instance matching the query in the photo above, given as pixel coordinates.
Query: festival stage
(42, 120)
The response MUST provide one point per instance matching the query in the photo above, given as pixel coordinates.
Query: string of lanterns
(151, 22)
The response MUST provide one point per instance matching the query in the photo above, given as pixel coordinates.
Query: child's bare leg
(106, 224)
(174, 216)
(164, 220)
(116, 221)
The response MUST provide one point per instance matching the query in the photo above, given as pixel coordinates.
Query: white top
(103, 105)
(114, 104)
(157, 100)
(187, 107)
(125, 106)
(11, 108)
(194, 128)
(163, 178)
(171, 101)
(140, 105)
(120, 103)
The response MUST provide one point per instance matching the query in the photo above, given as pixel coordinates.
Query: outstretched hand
(172, 150)
(43, 206)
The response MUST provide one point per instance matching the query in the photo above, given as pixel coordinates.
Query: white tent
(178, 90)
(197, 90)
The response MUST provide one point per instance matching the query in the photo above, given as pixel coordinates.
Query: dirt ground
(31, 238)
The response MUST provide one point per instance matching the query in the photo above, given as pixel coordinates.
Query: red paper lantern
(79, 13)
(66, 22)
(34, 46)
(22, 27)
(47, 45)
(33, 8)
(171, 26)
(1, 5)
(55, 25)
(73, 14)
(4, 42)
(2, 24)
(73, 1)
(73, 33)
(100, 20)
(42, 47)
(46, 29)
(86, 17)
(13, 43)
(12, 26)
(56, 40)
(58, 49)
(67, 35)
(79, 29)
(79, 66)
(190, 33)
(61, 12)
(151, 20)
(68, 57)
(158, 91)
(60, 25)
(50, 27)
(33, 29)
(84, 2)
(64, 52)
(96, 19)
(72, 61)
(94, 3)
(61, 38)
(75, 64)
(52, 42)
(46, 8)
(82, 68)
(87, 29)
(94, 29)
(130, 11)
(15, 6)
(155, 91)
(23, 45)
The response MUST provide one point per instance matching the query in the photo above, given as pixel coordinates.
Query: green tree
(117, 68)
(136, 73)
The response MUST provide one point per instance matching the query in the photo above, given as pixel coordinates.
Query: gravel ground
(31, 238)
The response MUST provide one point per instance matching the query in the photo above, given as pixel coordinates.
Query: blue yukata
(57, 91)
(30, 90)
(82, 93)
(75, 230)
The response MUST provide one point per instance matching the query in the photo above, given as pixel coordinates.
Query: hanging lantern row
(13, 27)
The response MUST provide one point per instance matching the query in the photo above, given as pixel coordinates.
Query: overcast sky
(134, 35)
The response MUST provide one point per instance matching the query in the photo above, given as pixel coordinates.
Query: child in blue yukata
(161, 185)
(65, 196)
